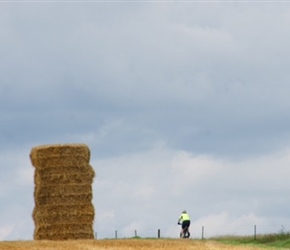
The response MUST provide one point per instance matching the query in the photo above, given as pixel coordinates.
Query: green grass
(277, 241)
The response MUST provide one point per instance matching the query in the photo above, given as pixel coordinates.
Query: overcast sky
(183, 104)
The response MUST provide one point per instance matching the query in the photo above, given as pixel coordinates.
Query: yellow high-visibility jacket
(183, 217)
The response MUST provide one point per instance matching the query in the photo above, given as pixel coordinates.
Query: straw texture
(63, 195)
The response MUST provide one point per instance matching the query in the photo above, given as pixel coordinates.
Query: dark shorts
(185, 224)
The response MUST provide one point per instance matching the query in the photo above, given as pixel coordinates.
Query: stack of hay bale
(63, 181)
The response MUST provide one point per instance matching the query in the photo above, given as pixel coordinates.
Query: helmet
(184, 211)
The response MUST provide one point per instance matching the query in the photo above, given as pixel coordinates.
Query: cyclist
(184, 221)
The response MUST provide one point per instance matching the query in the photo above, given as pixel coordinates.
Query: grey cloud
(124, 77)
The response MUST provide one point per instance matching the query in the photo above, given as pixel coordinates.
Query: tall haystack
(63, 181)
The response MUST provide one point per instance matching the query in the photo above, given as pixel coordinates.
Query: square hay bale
(64, 232)
(60, 155)
(66, 199)
(66, 189)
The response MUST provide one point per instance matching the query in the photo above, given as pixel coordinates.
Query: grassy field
(128, 244)
(277, 241)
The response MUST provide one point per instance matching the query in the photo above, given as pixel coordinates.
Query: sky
(183, 104)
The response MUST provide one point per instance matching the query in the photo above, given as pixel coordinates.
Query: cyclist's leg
(186, 229)
(183, 226)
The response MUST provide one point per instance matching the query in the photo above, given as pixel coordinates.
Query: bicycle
(185, 232)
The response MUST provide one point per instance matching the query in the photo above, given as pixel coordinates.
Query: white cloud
(17, 169)
(132, 228)
(144, 193)
(5, 231)
(105, 216)
(224, 196)
(193, 170)
(18, 162)
(225, 224)
(257, 172)
(25, 176)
